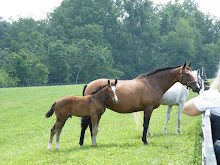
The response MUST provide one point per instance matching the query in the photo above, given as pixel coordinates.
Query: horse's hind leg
(52, 133)
(167, 119)
(148, 131)
(85, 122)
(57, 128)
(58, 137)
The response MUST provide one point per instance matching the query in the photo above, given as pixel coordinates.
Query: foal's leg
(58, 135)
(95, 122)
(52, 133)
(167, 119)
(85, 122)
(180, 109)
(57, 128)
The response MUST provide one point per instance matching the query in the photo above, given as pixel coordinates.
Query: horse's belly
(176, 94)
(123, 108)
(127, 104)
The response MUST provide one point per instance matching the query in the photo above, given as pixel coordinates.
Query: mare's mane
(159, 70)
(99, 88)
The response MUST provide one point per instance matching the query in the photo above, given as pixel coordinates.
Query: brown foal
(92, 105)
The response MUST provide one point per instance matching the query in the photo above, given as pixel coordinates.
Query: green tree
(20, 68)
(6, 80)
(58, 63)
(93, 62)
(179, 45)
(141, 24)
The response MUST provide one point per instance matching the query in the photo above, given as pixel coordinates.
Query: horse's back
(95, 85)
(75, 105)
(175, 94)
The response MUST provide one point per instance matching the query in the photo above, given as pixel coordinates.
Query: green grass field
(25, 131)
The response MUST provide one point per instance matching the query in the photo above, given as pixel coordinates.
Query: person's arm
(190, 109)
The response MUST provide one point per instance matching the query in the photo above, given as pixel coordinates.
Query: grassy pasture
(24, 133)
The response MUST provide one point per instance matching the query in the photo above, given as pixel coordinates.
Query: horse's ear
(184, 65)
(109, 83)
(198, 72)
(116, 81)
(189, 64)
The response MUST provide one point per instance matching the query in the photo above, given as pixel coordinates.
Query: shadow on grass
(89, 147)
(134, 141)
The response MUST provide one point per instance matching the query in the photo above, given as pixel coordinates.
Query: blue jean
(215, 124)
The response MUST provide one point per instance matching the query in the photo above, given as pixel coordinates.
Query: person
(209, 99)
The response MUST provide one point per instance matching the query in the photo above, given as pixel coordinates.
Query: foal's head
(187, 78)
(112, 91)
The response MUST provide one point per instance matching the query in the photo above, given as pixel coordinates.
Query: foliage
(82, 40)
(6, 80)
(25, 132)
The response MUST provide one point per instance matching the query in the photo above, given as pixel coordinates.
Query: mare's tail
(51, 111)
(84, 90)
(138, 120)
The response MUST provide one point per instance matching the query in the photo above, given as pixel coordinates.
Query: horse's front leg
(147, 115)
(167, 119)
(95, 122)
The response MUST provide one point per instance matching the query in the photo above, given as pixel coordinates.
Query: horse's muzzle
(115, 100)
(196, 90)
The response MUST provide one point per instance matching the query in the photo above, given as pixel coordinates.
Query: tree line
(82, 40)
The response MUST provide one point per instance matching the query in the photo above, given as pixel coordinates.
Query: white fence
(208, 154)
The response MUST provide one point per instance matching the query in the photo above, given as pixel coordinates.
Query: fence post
(208, 154)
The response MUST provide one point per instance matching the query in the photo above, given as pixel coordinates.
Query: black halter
(183, 78)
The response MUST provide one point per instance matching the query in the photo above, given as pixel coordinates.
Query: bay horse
(143, 93)
(92, 105)
(175, 95)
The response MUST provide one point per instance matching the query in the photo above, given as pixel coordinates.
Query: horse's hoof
(94, 145)
(150, 134)
(180, 132)
(145, 142)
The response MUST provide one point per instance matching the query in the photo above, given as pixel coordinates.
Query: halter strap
(188, 83)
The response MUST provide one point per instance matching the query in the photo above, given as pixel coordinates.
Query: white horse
(175, 95)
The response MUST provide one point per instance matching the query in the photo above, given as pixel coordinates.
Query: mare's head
(187, 78)
(112, 91)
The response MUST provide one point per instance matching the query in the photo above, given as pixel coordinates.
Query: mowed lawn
(24, 133)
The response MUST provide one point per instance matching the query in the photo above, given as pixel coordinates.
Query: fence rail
(208, 154)
(52, 84)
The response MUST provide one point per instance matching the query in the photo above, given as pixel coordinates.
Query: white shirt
(208, 100)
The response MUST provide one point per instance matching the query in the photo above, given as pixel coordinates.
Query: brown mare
(143, 93)
(93, 105)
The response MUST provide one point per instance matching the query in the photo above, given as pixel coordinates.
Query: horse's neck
(164, 80)
(103, 95)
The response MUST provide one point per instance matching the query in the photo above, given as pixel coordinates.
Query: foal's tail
(51, 111)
